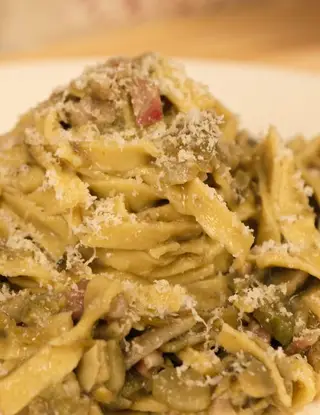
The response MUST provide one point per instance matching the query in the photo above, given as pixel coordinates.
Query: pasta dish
(154, 257)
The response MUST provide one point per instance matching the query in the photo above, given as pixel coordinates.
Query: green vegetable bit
(280, 326)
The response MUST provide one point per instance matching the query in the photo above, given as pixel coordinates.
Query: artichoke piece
(152, 340)
(134, 383)
(188, 339)
(187, 392)
(255, 380)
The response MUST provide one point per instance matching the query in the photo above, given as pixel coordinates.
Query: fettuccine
(154, 257)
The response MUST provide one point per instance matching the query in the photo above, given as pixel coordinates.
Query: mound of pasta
(153, 256)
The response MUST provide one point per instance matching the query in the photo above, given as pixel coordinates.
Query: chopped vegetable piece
(152, 340)
(281, 327)
(255, 380)
(189, 339)
(188, 392)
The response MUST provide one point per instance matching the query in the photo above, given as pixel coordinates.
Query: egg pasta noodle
(154, 257)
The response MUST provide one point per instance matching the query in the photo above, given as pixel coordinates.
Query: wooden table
(281, 32)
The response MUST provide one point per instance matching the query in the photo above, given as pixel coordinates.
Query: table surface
(280, 32)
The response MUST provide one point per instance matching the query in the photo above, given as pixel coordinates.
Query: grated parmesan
(256, 297)
(301, 185)
(271, 245)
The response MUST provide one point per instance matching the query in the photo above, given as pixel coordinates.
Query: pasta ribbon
(234, 341)
(210, 211)
(153, 256)
(49, 366)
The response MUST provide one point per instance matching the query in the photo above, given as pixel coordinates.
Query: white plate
(260, 95)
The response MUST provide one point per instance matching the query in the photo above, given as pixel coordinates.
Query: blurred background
(281, 32)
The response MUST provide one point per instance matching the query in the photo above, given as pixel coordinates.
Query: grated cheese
(256, 297)
(189, 138)
(301, 185)
(33, 137)
(271, 245)
(75, 262)
(158, 299)
(103, 212)
(6, 293)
